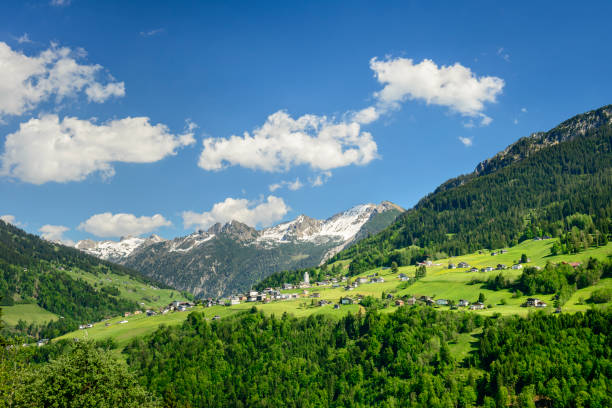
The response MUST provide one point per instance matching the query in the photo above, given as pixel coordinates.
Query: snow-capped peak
(116, 251)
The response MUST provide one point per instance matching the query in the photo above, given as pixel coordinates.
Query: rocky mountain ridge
(234, 255)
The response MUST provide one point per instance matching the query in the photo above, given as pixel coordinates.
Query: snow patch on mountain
(115, 251)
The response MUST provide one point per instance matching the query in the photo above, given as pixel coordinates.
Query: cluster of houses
(499, 267)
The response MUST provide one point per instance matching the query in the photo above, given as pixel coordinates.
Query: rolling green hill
(48, 289)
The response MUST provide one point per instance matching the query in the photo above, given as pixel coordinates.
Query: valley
(439, 283)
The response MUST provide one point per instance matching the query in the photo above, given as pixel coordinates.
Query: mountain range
(228, 258)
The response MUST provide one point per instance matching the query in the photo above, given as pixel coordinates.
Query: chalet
(501, 267)
(411, 301)
(287, 286)
(336, 306)
(253, 293)
(463, 303)
(261, 297)
(176, 303)
(324, 302)
(517, 266)
(403, 277)
(493, 253)
(488, 269)
(463, 265)
(399, 302)
(242, 298)
(42, 342)
(181, 308)
(534, 302)
(123, 322)
(252, 299)
(235, 301)
(503, 251)
(344, 279)
(427, 300)
(348, 288)
(451, 266)
(474, 269)
(477, 306)
(334, 280)
(217, 317)
(389, 295)
(442, 302)
(151, 313)
(377, 280)
(126, 314)
(137, 312)
(336, 285)
(361, 280)
(347, 301)
(426, 263)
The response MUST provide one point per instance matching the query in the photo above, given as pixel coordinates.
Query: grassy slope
(440, 281)
(132, 289)
(28, 313)
(146, 295)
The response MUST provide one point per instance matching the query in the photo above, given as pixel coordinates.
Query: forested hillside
(33, 270)
(536, 187)
(385, 360)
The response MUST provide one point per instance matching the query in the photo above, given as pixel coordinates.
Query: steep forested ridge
(32, 270)
(386, 360)
(528, 190)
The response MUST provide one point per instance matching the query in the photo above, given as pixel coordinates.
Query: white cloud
(151, 33)
(366, 115)
(455, 87)
(467, 141)
(24, 39)
(60, 3)
(283, 142)
(324, 144)
(9, 219)
(524, 110)
(320, 179)
(109, 225)
(27, 81)
(99, 93)
(49, 149)
(501, 52)
(55, 233)
(291, 185)
(515, 121)
(252, 213)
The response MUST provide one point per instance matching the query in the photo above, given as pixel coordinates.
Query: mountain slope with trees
(535, 187)
(33, 270)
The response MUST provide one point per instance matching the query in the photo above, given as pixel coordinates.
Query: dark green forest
(401, 359)
(542, 191)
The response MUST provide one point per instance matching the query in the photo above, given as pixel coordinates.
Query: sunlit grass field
(440, 282)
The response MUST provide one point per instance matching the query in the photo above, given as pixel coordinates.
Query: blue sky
(130, 117)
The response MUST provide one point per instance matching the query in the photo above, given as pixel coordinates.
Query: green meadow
(440, 282)
(28, 313)
(147, 296)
